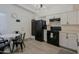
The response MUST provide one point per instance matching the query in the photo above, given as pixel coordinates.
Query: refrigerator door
(39, 31)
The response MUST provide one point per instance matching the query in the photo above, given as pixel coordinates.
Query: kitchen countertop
(70, 31)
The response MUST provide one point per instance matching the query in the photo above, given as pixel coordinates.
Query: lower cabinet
(68, 40)
(63, 40)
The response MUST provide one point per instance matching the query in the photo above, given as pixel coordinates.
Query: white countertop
(70, 31)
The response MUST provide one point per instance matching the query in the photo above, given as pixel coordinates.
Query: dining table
(9, 37)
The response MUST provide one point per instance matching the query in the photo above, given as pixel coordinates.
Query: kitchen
(69, 28)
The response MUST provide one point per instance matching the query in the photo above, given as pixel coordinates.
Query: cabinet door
(64, 19)
(57, 16)
(77, 17)
(72, 18)
(63, 39)
(72, 41)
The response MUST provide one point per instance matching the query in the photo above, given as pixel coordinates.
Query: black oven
(53, 36)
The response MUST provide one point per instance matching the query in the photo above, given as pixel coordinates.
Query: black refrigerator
(38, 27)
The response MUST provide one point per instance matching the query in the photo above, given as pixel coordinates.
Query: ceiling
(35, 8)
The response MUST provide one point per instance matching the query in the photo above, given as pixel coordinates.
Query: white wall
(24, 15)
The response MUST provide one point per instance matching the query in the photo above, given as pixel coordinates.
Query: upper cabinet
(57, 16)
(77, 17)
(72, 18)
(69, 18)
(64, 19)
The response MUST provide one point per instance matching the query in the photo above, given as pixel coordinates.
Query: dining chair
(15, 42)
(19, 40)
(3, 45)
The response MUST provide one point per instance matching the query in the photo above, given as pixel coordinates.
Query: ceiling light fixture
(39, 6)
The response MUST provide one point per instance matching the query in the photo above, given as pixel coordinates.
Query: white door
(63, 39)
(72, 18)
(3, 23)
(72, 41)
(64, 19)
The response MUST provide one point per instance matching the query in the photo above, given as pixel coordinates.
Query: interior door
(3, 23)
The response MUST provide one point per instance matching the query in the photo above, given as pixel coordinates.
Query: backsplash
(57, 23)
(71, 28)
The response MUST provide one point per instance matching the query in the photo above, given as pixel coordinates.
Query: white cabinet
(78, 17)
(57, 16)
(63, 39)
(64, 19)
(68, 40)
(72, 41)
(69, 18)
(72, 17)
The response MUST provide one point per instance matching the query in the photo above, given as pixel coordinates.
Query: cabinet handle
(76, 40)
(66, 36)
(67, 22)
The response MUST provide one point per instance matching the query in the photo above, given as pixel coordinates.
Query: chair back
(18, 37)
